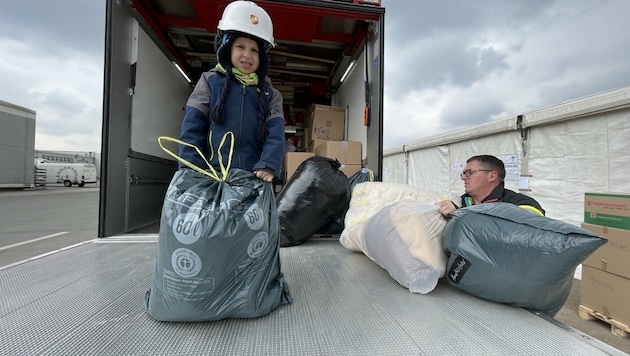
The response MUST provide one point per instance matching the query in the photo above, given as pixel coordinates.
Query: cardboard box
(606, 293)
(614, 256)
(612, 210)
(314, 144)
(325, 122)
(292, 161)
(346, 152)
(350, 169)
(307, 138)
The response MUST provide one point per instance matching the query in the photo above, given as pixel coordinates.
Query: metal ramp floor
(89, 300)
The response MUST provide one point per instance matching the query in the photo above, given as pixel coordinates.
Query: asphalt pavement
(35, 222)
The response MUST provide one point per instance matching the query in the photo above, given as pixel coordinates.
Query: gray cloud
(52, 62)
(435, 43)
(462, 62)
(556, 93)
(450, 62)
(470, 111)
(66, 114)
(426, 18)
(55, 25)
(490, 59)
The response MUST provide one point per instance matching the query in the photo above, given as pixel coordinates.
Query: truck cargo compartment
(88, 299)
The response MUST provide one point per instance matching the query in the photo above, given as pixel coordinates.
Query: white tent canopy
(555, 154)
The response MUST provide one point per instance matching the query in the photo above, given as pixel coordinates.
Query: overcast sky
(448, 64)
(451, 67)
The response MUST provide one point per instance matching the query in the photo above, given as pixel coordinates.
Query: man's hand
(446, 207)
(264, 175)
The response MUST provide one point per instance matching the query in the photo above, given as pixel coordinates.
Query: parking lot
(34, 222)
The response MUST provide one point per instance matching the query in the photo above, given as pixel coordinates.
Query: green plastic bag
(503, 253)
(218, 251)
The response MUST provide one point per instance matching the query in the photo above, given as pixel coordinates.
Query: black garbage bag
(217, 252)
(336, 224)
(506, 254)
(316, 192)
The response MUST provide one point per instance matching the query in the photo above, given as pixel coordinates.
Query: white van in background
(67, 173)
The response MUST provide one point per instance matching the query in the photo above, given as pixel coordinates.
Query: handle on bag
(212, 173)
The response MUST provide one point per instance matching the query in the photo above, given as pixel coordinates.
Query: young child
(237, 96)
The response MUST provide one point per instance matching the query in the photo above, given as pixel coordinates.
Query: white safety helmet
(247, 17)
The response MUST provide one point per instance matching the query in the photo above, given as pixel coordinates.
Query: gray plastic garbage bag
(364, 175)
(507, 254)
(218, 251)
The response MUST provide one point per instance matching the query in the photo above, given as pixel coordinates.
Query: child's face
(245, 55)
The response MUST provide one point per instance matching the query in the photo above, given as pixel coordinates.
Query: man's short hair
(490, 162)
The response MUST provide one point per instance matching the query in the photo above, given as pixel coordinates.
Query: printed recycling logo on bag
(186, 263)
(258, 245)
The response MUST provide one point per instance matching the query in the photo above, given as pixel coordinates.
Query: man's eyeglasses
(467, 173)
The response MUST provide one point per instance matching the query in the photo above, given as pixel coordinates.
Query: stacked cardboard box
(348, 153)
(606, 273)
(324, 122)
(292, 161)
(324, 134)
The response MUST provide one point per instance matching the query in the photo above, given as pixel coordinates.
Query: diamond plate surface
(89, 300)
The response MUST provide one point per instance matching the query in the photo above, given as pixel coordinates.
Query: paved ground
(34, 222)
(595, 328)
(30, 220)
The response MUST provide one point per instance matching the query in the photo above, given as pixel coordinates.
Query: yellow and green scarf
(245, 79)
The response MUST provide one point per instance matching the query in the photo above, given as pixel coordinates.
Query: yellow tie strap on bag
(210, 172)
(371, 175)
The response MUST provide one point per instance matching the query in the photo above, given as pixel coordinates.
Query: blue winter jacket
(240, 117)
